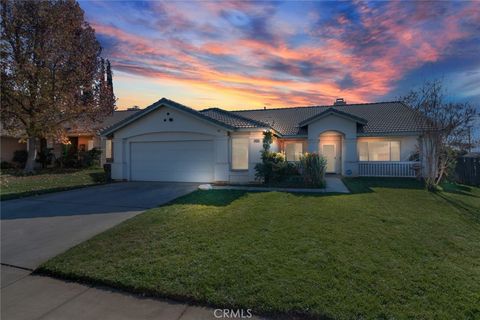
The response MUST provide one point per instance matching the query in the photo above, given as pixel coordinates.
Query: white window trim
(231, 153)
(389, 148)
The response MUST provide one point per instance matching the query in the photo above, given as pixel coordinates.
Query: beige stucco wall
(184, 126)
(8, 147)
(348, 129)
(254, 155)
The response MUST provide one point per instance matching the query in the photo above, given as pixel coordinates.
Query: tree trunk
(32, 154)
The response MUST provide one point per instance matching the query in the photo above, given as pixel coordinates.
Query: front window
(293, 151)
(379, 151)
(240, 153)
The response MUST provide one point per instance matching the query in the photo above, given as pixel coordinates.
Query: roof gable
(331, 111)
(163, 103)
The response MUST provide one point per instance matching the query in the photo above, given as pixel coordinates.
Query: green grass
(389, 251)
(14, 184)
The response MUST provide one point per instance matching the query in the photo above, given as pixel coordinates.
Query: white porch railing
(388, 168)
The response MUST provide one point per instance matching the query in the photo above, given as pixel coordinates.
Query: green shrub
(90, 158)
(45, 157)
(274, 168)
(6, 165)
(20, 157)
(69, 157)
(312, 168)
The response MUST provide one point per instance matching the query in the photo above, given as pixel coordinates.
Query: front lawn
(14, 184)
(391, 250)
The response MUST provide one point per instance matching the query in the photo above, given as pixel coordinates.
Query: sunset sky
(250, 55)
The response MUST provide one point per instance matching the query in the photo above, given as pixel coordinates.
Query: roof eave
(389, 134)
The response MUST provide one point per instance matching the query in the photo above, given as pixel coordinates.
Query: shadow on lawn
(365, 185)
(460, 204)
(463, 190)
(217, 198)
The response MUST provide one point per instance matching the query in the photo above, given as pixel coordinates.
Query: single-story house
(80, 137)
(168, 141)
(85, 138)
(9, 143)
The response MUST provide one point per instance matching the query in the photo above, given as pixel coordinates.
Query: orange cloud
(358, 60)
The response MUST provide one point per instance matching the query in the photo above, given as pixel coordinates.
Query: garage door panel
(187, 161)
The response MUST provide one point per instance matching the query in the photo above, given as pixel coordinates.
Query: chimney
(340, 102)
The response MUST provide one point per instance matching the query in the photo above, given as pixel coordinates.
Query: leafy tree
(446, 130)
(51, 71)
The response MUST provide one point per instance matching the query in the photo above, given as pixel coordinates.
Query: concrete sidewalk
(28, 297)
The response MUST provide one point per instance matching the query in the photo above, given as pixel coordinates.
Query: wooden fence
(467, 170)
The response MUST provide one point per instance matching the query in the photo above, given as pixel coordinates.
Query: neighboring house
(83, 138)
(9, 143)
(171, 142)
(79, 137)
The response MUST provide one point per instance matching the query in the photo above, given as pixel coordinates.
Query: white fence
(388, 168)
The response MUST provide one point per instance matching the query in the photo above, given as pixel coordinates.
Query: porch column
(350, 161)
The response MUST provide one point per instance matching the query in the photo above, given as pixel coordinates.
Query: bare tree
(446, 129)
(51, 70)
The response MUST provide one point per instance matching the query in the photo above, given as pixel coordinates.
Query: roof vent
(133, 108)
(340, 102)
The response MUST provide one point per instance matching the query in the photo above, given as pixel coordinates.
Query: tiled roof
(117, 116)
(382, 117)
(158, 104)
(232, 119)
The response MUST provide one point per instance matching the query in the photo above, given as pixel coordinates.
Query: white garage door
(183, 161)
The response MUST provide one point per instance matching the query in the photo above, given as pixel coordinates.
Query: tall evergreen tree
(109, 75)
(51, 70)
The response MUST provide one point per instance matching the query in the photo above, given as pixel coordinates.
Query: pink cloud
(374, 53)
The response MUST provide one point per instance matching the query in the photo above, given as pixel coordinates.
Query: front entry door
(328, 151)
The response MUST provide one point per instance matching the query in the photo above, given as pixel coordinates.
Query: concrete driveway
(35, 229)
(38, 228)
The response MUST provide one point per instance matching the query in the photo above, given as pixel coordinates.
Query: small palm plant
(312, 168)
